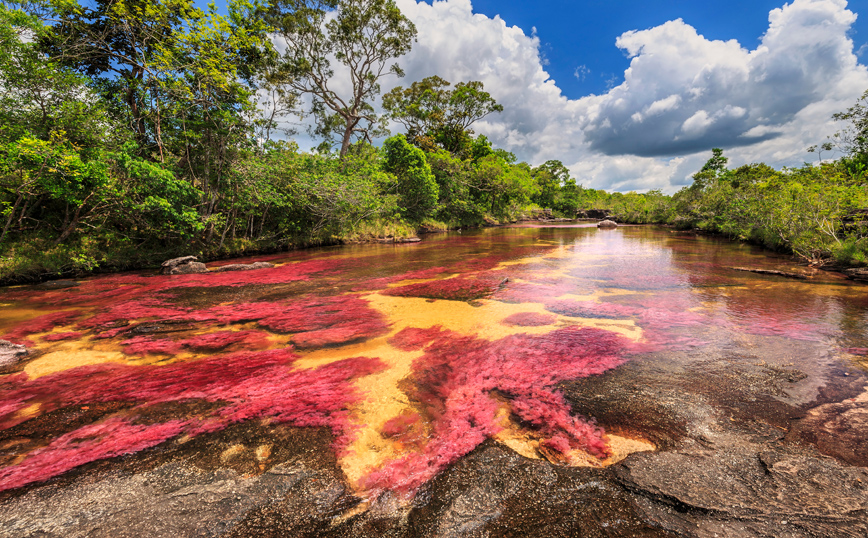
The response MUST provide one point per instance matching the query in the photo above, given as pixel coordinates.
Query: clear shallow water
(412, 354)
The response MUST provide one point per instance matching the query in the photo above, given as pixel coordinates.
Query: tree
(177, 75)
(416, 188)
(713, 169)
(430, 109)
(853, 139)
(550, 177)
(364, 36)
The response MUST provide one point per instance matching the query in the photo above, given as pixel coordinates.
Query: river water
(410, 357)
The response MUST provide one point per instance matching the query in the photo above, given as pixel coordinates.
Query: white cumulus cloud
(682, 94)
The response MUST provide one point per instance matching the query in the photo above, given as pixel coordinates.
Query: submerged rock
(607, 224)
(857, 273)
(58, 284)
(798, 276)
(11, 353)
(242, 267)
(837, 429)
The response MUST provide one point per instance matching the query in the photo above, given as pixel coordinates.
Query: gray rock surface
(174, 262)
(760, 445)
(58, 284)
(242, 267)
(183, 266)
(858, 273)
(11, 353)
(607, 224)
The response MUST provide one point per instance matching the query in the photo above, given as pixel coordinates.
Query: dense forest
(132, 131)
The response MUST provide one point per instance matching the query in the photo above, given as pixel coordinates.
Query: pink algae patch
(455, 378)
(39, 324)
(590, 309)
(529, 319)
(455, 289)
(62, 336)
(248, 385)
(113, 437)
(141, 345)
(328, 321)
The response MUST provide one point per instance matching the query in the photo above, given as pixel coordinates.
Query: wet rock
(58, 284)
(398, 240)
(242, 267)
(183, 266)
(11, 353)
(183, 489)
(174, 262)
(857, 273)
(746, 489)
(839, 430)
(607, 224)
(798, 276)
(188, 268)
(176, 500)
(495, 492)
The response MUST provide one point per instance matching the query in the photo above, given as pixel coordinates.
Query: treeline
(817, 212)
(136, 130)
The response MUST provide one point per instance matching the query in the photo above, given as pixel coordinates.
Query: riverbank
(41, 262)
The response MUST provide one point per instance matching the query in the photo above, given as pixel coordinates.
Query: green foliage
(416, 186)
(801, 210)
(130, 132)
(430, 111)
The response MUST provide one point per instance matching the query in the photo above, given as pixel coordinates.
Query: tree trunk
(348, 134)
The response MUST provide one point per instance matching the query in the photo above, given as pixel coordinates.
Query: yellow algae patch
(28, 412)
(59, 361)
(11, 318)
(621, 447)
(383, 400)
(232, 452)
(72, 354)
(484, 321)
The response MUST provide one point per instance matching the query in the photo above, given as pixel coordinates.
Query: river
(501, 382)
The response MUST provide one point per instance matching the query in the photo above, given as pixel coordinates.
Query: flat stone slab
(242, 267)
(11, 353)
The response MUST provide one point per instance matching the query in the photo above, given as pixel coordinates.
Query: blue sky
(579, 36)
(632, 95)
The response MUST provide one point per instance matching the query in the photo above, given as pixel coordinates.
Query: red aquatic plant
(248, 385)
(216, 341)
(112, 437)
(56, 337)
(529, 319)
(457, 375)
(455, 289)
(327, 321)
(39, 324)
